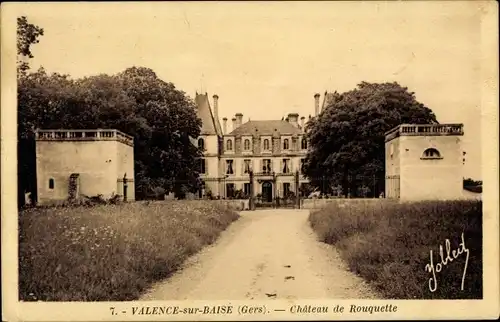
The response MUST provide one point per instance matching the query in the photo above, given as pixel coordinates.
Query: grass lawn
(389, 244)
(111, 252)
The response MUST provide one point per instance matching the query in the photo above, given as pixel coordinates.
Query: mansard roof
(266, 128)
(210, 124)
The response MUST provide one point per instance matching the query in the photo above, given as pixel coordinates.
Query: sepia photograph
(250, 160)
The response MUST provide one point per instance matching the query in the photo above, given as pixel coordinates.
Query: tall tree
(347, 138)
(166, 156)
(27, 35)
(161, 118)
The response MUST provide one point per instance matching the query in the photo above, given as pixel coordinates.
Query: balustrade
(84, 135)
(424, 129)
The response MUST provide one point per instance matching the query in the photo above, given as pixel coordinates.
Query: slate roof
(326, 100)
(218, 127)
(266, 128)
(210, 125)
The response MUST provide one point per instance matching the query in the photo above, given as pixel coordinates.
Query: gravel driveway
(266, 254)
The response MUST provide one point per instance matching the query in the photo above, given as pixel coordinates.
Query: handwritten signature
(433, 269)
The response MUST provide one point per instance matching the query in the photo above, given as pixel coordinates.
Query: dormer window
(430, 154)
(201, 144)
(246, 145)
(229, 145)
(286, 144)
(303, 144)
(266, 144)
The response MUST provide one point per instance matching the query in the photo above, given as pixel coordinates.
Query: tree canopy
(347, 137)
(27, 35)
(161, 118)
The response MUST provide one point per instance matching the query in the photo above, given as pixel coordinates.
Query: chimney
(234, 123)
(316, 104)
(302, 121)
(239, 119)
(293, 118)
(224, 125)
(216, 107)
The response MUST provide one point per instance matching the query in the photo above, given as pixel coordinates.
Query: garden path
(266, 254)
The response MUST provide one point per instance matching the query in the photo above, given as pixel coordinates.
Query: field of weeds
(111, 252)
(389, 244)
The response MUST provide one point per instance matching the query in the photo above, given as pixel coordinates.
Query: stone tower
(210, 140)
(424, 162)
(71, 163)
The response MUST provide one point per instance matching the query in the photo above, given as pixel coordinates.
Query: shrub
(389, 245)
(111, 252)
(476, 189)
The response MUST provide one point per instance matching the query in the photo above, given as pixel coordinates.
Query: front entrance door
(267, 191)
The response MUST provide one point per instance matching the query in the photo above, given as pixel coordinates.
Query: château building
(273, 149)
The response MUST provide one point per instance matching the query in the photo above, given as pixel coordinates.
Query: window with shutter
(246, 188)
(246, 166)
(229, 167)
(285, 165)
(266, 166)
(286, 189)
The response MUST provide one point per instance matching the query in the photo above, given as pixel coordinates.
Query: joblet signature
(451, 255)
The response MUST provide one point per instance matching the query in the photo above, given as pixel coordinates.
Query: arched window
(51, 183)
(304, 144)
(286, 144)
(266, 144)
(201, 143)
(229, 145)
(431, 153)
(246, 145)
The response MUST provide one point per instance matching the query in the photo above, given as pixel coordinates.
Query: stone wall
(239, 205)
(95, 161)
(320, 203)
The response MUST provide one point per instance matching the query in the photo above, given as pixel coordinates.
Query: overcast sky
(268, 59)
